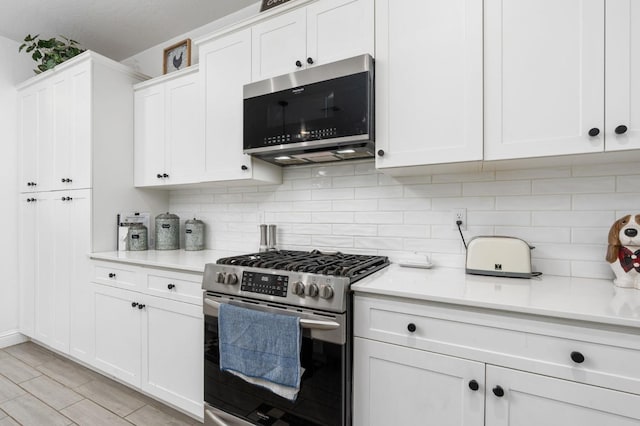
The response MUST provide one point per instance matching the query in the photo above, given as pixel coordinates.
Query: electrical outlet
(459, 214)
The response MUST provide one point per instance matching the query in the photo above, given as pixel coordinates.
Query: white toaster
(499, 256)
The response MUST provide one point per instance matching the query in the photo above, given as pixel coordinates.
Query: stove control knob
(326, 291)
(312, 290)
(298, 288)
(231, 278)
(220, 277)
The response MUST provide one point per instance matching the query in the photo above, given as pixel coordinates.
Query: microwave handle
(213, 307)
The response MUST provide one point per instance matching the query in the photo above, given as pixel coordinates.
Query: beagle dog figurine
(623, 252)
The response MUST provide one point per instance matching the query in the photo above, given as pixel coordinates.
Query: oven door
(325, 388)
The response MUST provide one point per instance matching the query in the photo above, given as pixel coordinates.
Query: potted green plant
(50, 52)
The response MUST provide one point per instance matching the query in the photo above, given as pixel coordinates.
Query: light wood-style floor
(38, 388)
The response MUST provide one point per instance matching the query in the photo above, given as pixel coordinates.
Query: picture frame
(177, 56)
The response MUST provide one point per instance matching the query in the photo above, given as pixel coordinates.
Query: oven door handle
(305, 323)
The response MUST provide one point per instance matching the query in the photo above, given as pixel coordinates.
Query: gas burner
(338, 264)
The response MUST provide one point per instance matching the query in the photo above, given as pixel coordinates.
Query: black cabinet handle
(621, 129)
(112, 275)
(381, 152)
(473, 385)
(164, 175)
(411, 327)
(141, 306)
(298, 64)
(310, 60)
(594, 132)
(171, 286)
(159, 176)
(577, 357)
(498, 391)
(134, 304)
(243, 167)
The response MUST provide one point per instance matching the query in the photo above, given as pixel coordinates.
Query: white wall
(14, 68)
(565, 212)
(149, 61)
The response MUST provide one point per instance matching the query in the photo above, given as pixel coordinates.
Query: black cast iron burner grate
(352, 266)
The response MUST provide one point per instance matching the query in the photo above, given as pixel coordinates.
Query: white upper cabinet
(225, 67)
(169, 142)
(622, 116)
(323, 32)
(428, 82)
(544, 77)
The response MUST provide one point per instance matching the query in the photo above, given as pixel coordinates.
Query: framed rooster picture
(177, 56)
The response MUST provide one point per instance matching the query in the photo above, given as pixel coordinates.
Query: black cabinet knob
(473, 385)
(577, 357)
(171, 286)
(112, 275)
(381, 152)
(159, 176)
(594, 132)
(243, 167)
(141, 306)
(298, 64)
(134, 304)
(498, 391)
(411, 327)
(28, 200)
(164, 175)
(310, 60)
(28, 183)
(63, 180)
(69, 198)
(64, 198)
(621, 129)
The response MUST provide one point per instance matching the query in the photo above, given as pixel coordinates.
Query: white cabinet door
(428, 82)
(117, 332)
(28, 138)
(45, 266)
(172, 352)
(149, 153)
(58, 309)
(81, 308)
(622, 75)
(394, 385)
(339, 29)
(184, 130)
(80, 138)
(61, 128)
(534, 400)
(544, 77)
(27, 262)
(225, 68)
(279, 45)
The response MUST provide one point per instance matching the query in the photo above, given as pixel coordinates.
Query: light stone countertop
(189, 261)
(582, 299)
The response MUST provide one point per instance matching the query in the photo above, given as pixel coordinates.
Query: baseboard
(11, 338)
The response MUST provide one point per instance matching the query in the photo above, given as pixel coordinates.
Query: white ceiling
(115, 28)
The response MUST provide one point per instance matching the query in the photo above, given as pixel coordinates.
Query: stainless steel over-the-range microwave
(320, 114)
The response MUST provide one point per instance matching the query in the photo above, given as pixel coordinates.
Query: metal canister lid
(167, 215)
(193, 221)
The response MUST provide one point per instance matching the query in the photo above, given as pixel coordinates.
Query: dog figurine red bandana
(623, 252)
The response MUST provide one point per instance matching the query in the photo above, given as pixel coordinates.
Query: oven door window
(320, 400)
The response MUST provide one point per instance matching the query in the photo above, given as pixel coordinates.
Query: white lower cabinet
(427, 363)
(150, 342)
(403, 386)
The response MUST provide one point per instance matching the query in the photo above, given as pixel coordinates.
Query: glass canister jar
(167, 231)
(193, 235)
(137, 237)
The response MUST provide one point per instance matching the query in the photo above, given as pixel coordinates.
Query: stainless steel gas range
(313, 286)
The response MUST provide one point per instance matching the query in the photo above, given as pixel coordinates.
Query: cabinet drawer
(581, 354)
(115, 274)
(175, 285)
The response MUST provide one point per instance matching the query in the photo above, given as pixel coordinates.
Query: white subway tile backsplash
(582, 185)
(515, 187)
(332, 194)
(565, 212)
(355, 229)
(525, 202)
(573, 218)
